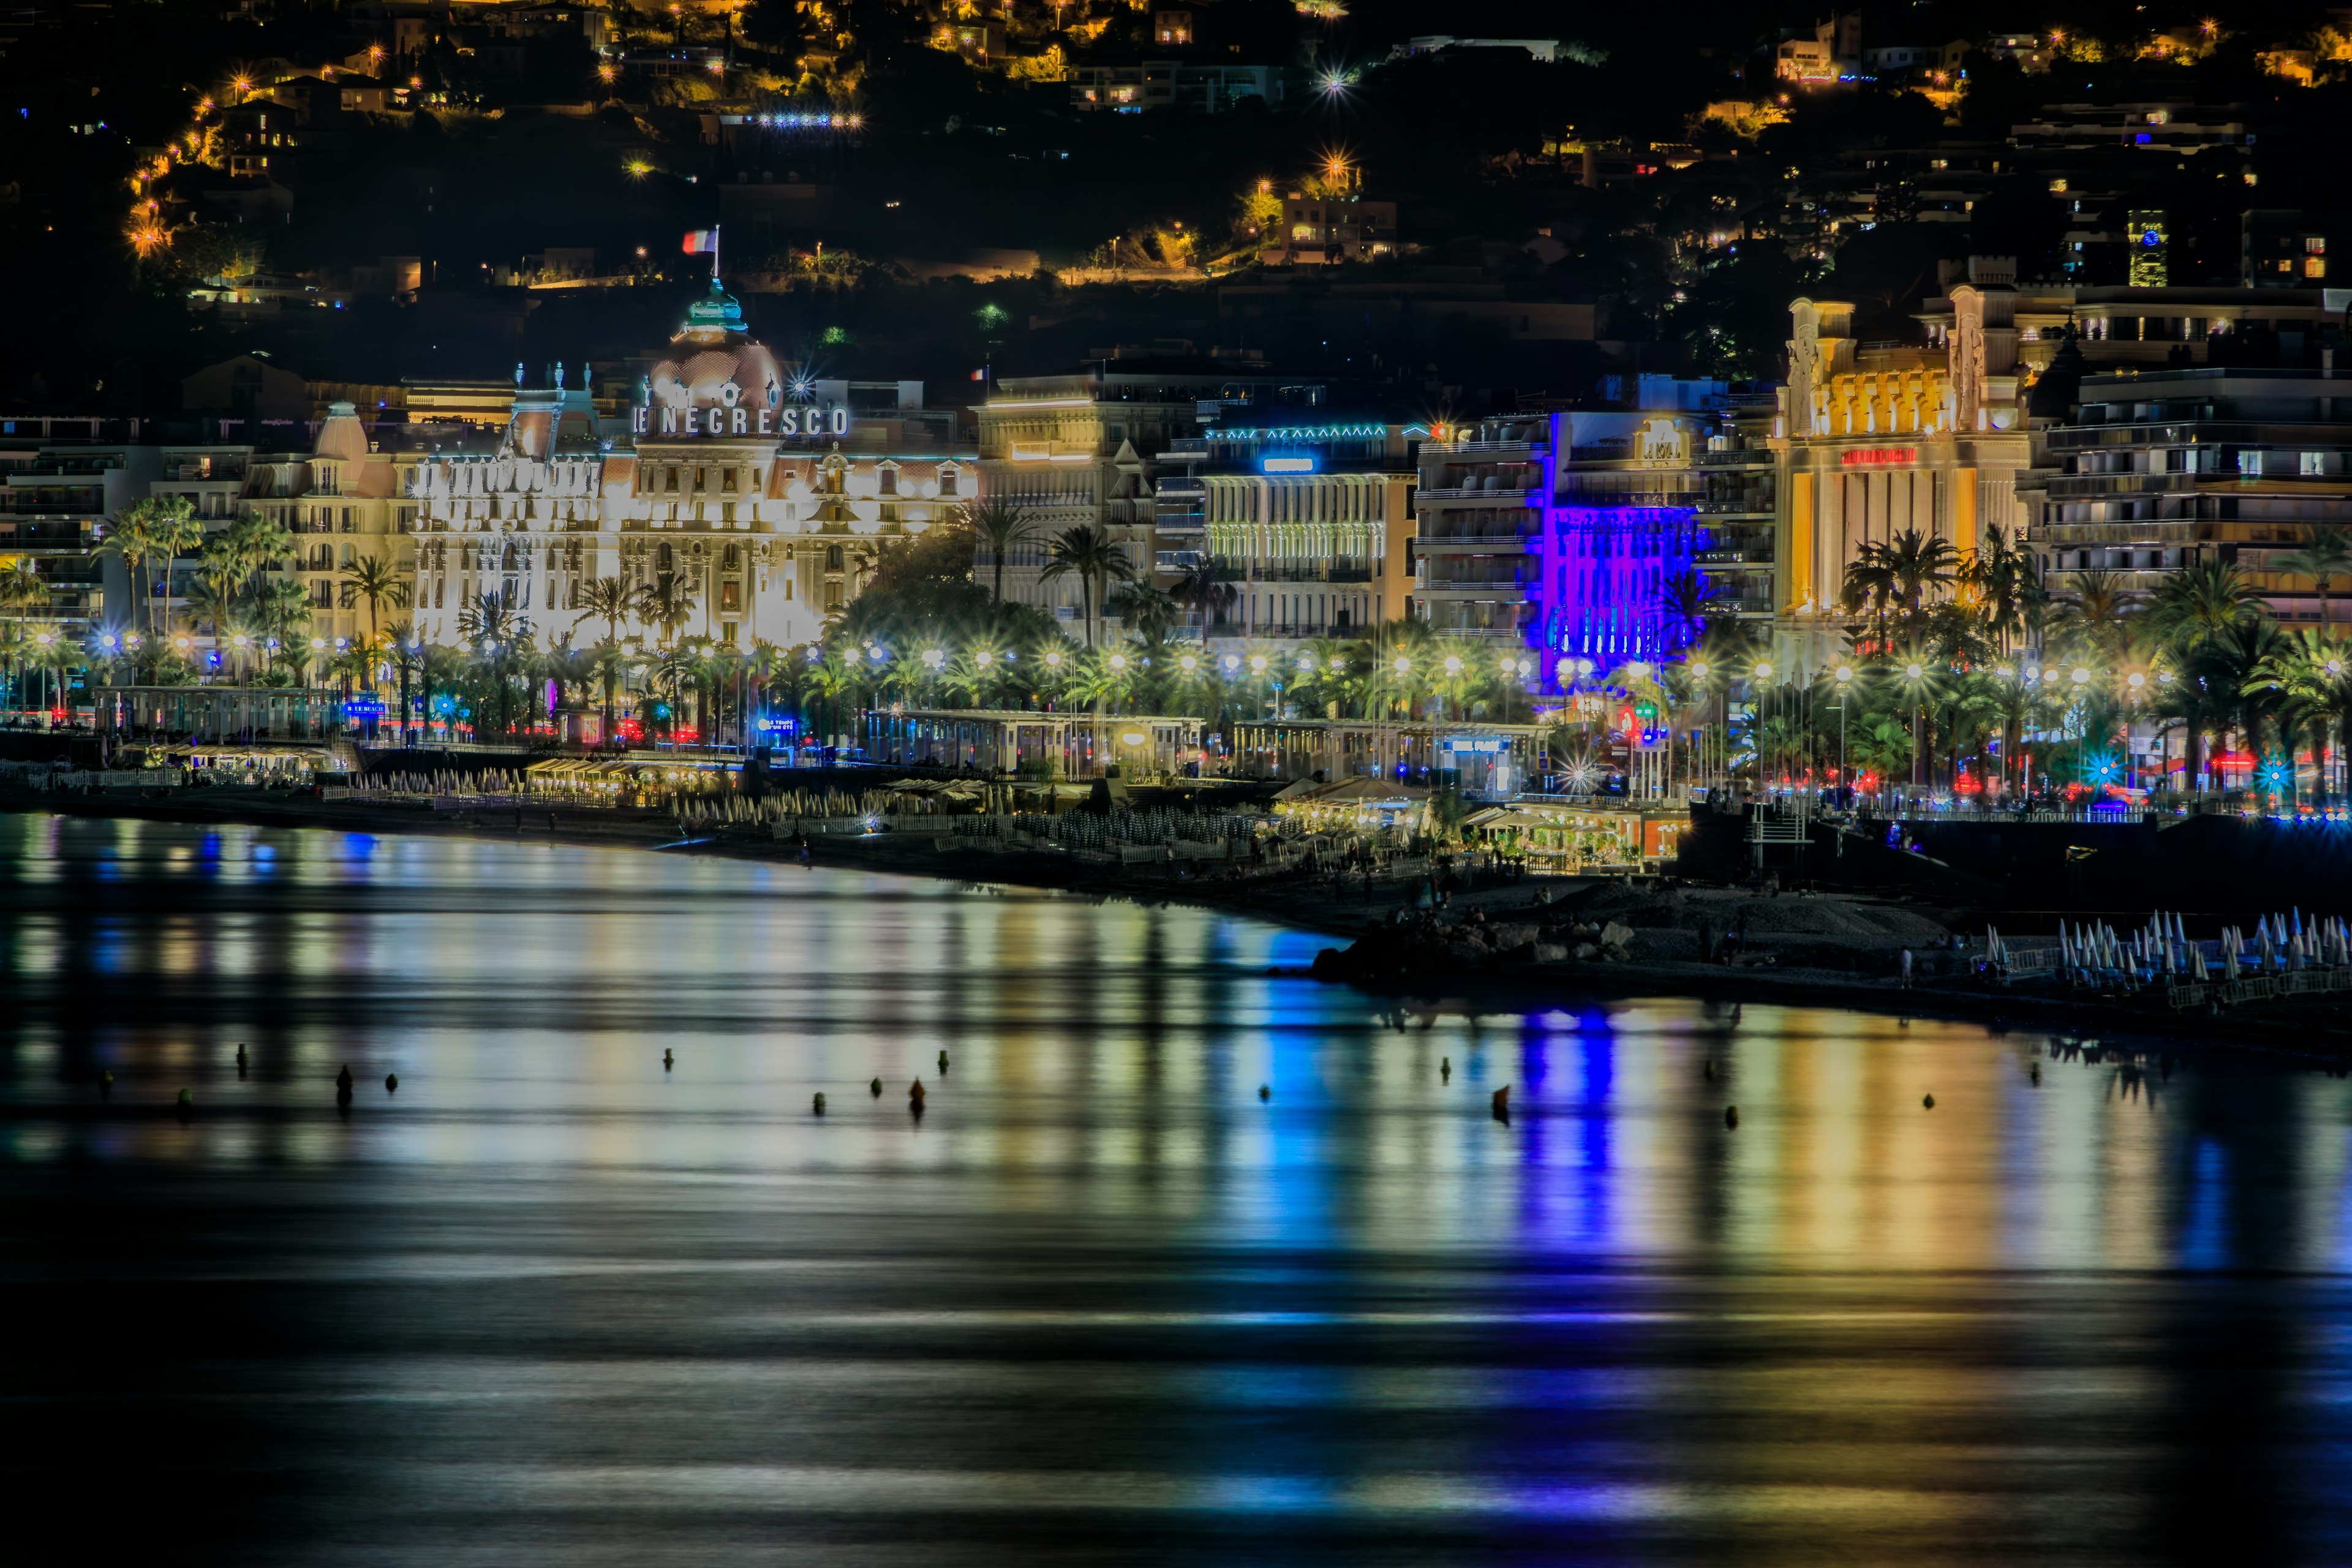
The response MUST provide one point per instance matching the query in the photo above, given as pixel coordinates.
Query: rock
(1551, 952)
(1515, 934)
(1586, 951)
(1615, 935)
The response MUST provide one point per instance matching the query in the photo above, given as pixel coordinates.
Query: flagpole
(714, 253)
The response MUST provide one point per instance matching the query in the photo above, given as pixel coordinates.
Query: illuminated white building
(769, 496)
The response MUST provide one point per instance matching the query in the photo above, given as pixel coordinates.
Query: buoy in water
(915, 1091)
(1731, 1116)
(1445, 1069)
(240, 1053)
(1264, 1093)
(391, 1082)
(187, 1097)
(1503, 1097)
(2034, 1072)
(877, 1087)
(343, 1078)
(1711, 1072)
(669, 1060)
(1928, 1100)
(817, 1105)
(943, 1061)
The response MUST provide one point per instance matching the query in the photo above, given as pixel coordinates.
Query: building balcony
(1500, 497)
(1499, 589)
(2079, 487)
(1523, 451)
(1477, 544)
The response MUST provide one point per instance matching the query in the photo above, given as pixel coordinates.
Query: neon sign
(1872, 457)
(740, 421)
(1286, 466)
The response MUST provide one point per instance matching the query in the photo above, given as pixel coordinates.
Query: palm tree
(610, 601)
(280, 612)
(1869, 589)
(1920, 563)
(2001, 578)
(2200, 602)
(609, 663)
(22, 591)
(402, 639)
(2099, 608)
(1088, 552)
(675, 668)
(667, 604)
(1000, 525)
(132, 540)
(380, 583)
(1684, 601)
(497, 629)
(2312, 683)
(252, 544)
(1147, 610)
(1205, 593)
(2326, 555)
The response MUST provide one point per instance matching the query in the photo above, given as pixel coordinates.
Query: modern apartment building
(1306, 521)
(1480, 529)
(2153, 472)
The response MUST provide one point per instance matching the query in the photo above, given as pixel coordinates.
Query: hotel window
(948, 481)
(701, 477)
(727, 633)
(887, 477)
(732, 558)
(726, 512)
(2314, 267)
(833, 558)
(727, 481)
(671, 483)
(731, 596)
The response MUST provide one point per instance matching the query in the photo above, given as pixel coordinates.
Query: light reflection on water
(1099, 1302)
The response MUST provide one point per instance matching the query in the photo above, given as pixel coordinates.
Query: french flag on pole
(702, 242)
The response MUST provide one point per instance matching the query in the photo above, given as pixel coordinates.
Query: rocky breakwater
(1652, 923)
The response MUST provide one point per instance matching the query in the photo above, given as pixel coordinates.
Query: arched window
(732, 559)
(833, 558)
(662, 562)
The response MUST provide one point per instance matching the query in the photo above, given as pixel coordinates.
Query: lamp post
(1843, 675)
(1916, 674)
(2082, 682)
(1401, 667)
(1762, 674)
(2134, 685)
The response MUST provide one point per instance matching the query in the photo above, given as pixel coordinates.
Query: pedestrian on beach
(1907, 969)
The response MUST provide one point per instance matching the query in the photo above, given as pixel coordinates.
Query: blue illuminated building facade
(1607, 534)
(1659, 521)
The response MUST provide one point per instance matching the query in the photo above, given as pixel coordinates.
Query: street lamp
(1915, 675)
(1843, 675)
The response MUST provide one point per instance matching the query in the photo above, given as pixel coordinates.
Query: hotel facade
(766, 497)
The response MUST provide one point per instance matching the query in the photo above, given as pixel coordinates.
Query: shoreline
(2317, 1032)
